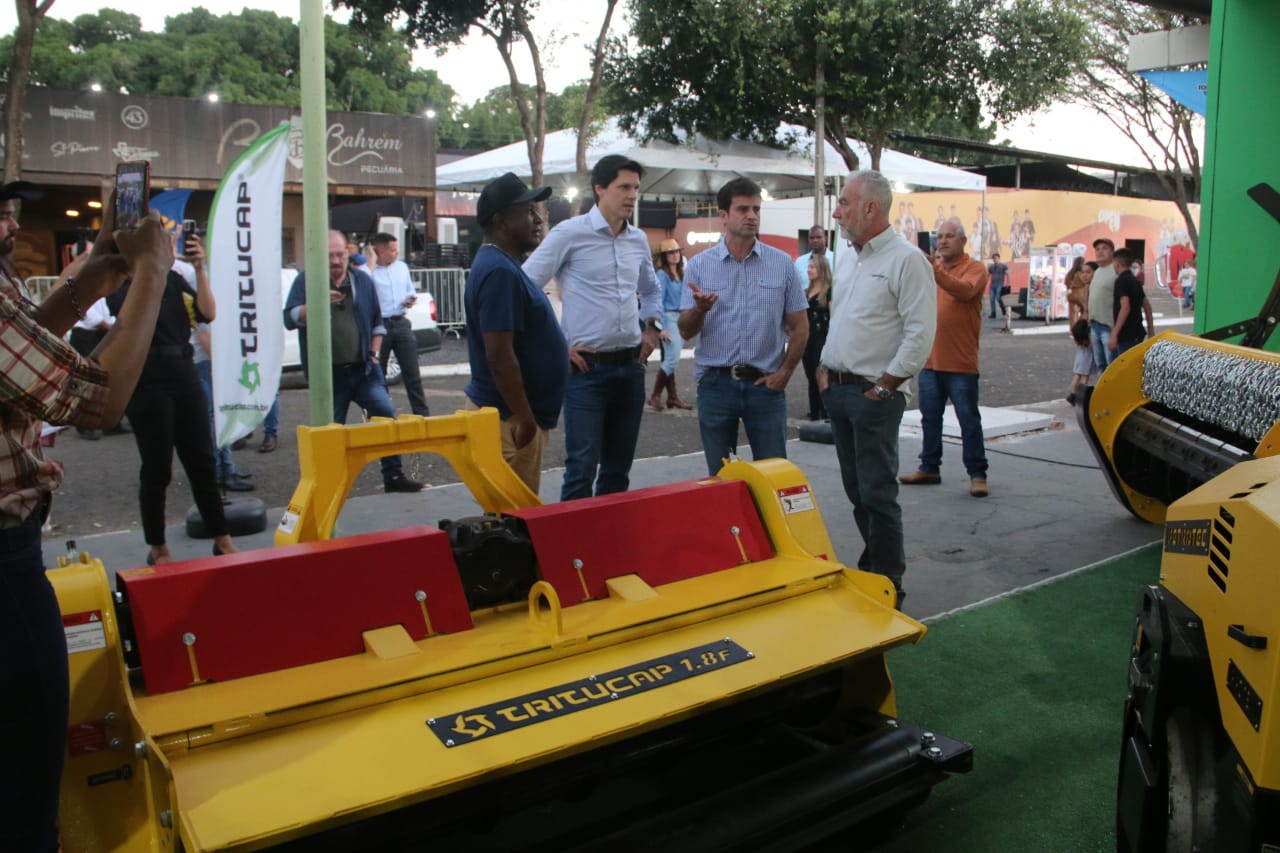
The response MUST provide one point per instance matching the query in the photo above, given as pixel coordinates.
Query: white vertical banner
(244, 255)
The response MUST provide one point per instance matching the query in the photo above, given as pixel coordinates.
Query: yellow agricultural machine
(1187, 430)
(684, 667)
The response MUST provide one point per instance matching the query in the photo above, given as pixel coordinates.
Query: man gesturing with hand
(746, 300)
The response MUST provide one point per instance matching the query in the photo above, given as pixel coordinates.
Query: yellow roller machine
(570, 676)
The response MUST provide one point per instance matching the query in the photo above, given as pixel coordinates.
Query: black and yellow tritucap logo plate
(508, 715)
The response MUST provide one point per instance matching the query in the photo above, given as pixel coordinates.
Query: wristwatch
(652, 324)
(882, 392)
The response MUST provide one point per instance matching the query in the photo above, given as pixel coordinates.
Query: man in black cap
(519, 357)
(42, 379)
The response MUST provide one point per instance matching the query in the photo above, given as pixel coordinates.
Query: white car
(422, 315)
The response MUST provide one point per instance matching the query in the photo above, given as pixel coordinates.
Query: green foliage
(248, 58)
(494, 120)
(740, 68)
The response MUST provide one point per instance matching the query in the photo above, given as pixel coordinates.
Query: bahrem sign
(88, 133)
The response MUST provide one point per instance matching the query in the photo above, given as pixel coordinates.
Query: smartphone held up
(188, 231)
(133, 188)
(927, 241)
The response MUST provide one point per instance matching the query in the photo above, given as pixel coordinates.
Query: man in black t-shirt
(1128, 300)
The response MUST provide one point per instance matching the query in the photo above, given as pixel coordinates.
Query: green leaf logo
(249, 377)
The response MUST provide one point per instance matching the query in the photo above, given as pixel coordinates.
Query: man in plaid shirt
(42, 379)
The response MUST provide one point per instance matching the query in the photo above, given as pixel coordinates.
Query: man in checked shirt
(42, 379)
(746, 300)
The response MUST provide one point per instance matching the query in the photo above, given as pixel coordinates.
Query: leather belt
(617, 356)
(840, 377)
(740, 372)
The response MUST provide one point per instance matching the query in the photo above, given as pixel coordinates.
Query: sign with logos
(88, 133)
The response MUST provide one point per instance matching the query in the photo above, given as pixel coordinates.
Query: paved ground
(99, 492)
(1050, 510)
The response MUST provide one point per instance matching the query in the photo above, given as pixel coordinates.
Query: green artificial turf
(1036, 682)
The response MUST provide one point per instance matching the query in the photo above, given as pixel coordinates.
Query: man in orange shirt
(951, 373)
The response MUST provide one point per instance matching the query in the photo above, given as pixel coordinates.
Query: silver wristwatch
(882, 392)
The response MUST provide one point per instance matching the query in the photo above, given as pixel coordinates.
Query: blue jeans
(723, 401)
(222, 462)
(602, 410)
(936, 387)
(1100, 335)
(364, 385)
(997, 303)
(271, 423)
(866, 438)
(33, 670)
(671, 349)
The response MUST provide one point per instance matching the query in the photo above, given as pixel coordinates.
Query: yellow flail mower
(684, 667)
(1188, 430)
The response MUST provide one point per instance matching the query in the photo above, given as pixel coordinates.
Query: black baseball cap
(24, 190)
(501, 193)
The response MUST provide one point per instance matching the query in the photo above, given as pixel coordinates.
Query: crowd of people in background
(863, 322)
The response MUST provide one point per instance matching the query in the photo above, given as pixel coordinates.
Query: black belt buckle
(744, 373)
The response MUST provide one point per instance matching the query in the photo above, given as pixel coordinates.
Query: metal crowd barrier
(447, 286)
(40, 285)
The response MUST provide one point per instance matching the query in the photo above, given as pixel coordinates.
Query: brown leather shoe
(920, 478)
(978, 487)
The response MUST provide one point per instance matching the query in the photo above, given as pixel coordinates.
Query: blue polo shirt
(499, 297)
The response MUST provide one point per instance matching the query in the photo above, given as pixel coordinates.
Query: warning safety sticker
(795, 499)
(84, 631)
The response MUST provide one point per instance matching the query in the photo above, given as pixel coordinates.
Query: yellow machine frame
(248, 763)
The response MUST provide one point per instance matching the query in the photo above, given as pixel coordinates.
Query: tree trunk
(29, 16)
(839, 139)
(539, 137)
(582, 181)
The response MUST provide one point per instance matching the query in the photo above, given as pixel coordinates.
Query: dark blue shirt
(1127, 284)
(499, 297)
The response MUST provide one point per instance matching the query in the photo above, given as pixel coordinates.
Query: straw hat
(668, 245)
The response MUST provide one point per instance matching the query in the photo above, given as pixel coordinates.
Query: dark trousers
(33, 714)
(812, 358)
(168, 412)
(602, 410)
(866, 438)
(401, 340)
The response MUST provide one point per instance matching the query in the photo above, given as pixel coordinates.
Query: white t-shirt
(1187, 278)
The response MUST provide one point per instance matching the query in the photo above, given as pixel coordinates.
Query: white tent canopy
(697, 168)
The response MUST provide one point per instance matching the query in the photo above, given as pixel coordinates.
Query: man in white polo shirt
(884, 312)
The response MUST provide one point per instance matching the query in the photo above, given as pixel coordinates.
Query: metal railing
(446, 286)
(40, 285)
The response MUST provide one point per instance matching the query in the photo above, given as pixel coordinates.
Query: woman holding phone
(46, 381)
(169, 411)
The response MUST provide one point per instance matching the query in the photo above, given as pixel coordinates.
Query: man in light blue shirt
(747, 302)
(817, 245)
(609, 292)
(395, 296)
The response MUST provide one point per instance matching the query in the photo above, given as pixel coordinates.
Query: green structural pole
(315, 210)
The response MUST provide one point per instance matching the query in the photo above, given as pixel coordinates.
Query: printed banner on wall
(244, 270)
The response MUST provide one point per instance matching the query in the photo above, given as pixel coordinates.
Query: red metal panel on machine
(262, 611)
(663, 534)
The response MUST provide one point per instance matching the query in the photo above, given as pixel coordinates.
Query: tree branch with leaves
(1168, 134)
